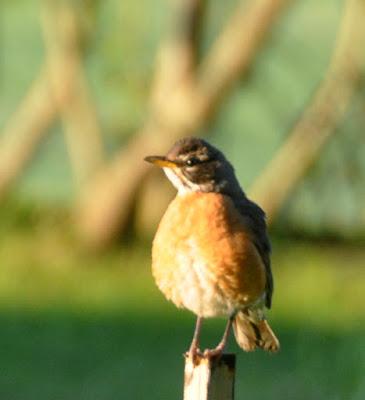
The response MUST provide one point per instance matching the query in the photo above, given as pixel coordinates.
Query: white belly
(196, 286)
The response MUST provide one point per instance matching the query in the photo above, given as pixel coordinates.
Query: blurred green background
(75, 323)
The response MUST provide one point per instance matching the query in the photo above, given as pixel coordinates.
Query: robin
(211, 252)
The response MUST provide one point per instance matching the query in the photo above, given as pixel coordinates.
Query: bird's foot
(195, 354)
(214, 353)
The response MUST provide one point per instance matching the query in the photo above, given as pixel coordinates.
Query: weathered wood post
(210, 378)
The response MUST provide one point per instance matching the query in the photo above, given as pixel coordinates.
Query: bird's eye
(192, 161)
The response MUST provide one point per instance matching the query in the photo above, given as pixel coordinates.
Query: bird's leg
(222, 344)
(194, 347)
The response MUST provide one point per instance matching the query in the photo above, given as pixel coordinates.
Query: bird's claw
(213, 353)
(194, 354)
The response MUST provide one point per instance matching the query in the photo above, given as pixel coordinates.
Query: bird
(211, 251)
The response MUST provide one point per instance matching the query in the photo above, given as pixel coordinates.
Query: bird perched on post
(211, 252)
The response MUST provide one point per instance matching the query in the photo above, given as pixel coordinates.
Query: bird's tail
(252, 332)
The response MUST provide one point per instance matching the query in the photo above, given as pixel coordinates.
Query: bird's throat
(180, 182)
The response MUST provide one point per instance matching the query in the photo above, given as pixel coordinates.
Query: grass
(86, 326)
(41, 269)
(135, 356)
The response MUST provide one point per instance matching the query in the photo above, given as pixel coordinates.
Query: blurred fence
(207, 78)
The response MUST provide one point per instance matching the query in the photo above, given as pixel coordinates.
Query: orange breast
(203, 257)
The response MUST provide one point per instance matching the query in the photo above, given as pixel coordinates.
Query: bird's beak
(160, 161)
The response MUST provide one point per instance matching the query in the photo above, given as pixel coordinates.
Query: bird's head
(193, 164)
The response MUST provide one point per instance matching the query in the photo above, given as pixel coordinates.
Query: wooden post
(210, 378)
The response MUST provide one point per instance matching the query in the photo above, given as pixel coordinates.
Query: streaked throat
(180, 182)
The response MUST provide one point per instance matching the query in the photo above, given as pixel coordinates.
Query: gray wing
(257, 220)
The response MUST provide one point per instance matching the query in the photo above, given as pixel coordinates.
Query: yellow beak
(160, 161)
